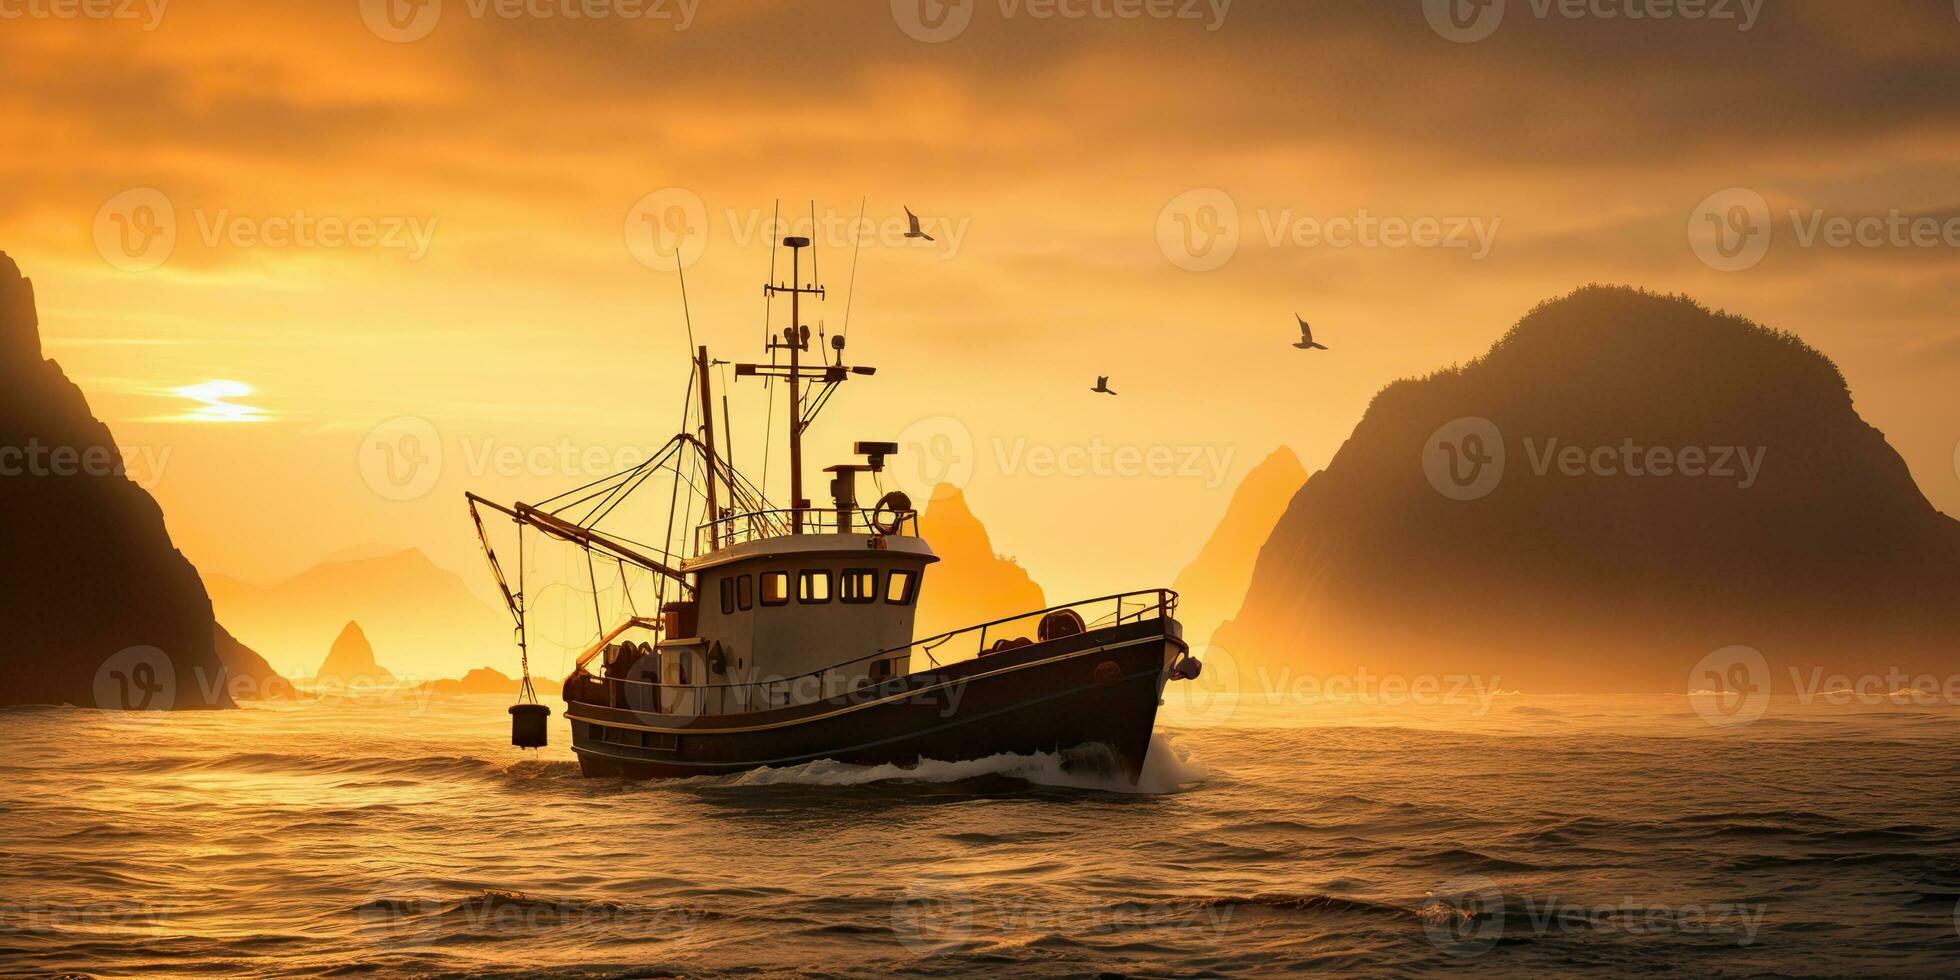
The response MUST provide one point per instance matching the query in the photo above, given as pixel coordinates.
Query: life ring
(895, 503)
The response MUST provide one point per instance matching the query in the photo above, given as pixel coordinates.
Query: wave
(1167, 768)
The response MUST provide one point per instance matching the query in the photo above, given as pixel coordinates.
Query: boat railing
(850, 675)
(758, 525)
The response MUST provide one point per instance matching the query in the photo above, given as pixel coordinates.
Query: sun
(213, 405)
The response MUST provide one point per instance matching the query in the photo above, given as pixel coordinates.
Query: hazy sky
(436, 215)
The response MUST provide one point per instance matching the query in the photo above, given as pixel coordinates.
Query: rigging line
(769, 295)
(598, 618)
(625, 587)
(541, 504)
(680, 269)
(850, 291)
(630, 487)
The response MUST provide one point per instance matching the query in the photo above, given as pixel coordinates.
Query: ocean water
(1513, 835)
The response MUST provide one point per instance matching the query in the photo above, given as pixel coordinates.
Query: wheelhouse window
(744, 592)
(857, 585)
(813, 586)
(775, 588)
(900, 585)
(727, 596)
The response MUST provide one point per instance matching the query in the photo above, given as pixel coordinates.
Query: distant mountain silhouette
(486, 680)
(1828, 557)
(351, 660)
(100, 607)
(421, 613)
(1211, 588)
(969, 584)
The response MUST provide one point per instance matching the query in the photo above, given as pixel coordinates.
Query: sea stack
(351, 660)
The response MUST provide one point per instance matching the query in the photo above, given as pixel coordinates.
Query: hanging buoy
(527, 725)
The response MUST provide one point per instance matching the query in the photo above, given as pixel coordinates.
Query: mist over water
(1530, 834)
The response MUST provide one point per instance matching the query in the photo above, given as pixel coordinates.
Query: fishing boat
(784, 634)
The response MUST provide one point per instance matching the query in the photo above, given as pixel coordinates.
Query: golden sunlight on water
(1513, 834)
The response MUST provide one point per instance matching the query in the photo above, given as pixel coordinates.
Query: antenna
(814, 276)
(850, 290)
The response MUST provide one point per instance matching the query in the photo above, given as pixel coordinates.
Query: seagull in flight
(915, 232)
(1306, 335)
(1102, 385)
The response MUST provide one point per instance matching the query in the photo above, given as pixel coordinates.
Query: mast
(708, 440)
(796, 340)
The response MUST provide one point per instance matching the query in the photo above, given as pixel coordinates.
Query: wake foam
(1167, 768)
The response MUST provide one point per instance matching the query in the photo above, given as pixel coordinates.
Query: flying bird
(1306, 335)
(915, 232)
(1102, 385)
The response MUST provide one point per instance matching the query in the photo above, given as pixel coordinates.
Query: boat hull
(1102, 686)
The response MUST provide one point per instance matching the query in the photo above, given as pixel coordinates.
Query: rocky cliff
(1211, 588)
(101, 609)
(1624, 483)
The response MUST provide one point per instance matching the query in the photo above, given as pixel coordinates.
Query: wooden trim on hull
(1102, 686)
